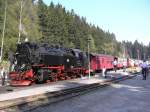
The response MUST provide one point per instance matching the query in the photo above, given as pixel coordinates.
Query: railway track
(29, 103)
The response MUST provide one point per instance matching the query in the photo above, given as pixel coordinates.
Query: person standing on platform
(115, 65)
(144, 67)
(104, 72)
(2, 75)
(124, 66)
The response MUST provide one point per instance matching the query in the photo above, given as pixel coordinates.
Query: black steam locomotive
(42, 62)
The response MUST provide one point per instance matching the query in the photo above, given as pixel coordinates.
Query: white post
(3, 35)
(20, 22)
(138, 53)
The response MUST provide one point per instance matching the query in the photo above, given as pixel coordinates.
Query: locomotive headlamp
(68, 60)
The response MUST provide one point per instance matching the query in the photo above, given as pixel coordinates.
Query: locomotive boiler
(40, 63)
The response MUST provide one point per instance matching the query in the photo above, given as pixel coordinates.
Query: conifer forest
(55, 25)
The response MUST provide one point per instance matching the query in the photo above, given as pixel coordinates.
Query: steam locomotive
(40, 63)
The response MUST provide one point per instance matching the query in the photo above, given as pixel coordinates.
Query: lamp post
(138, 54)
(124, 51)
(89, 57)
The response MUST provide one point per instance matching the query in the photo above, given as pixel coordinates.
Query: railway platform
(127, 96)
(10, 94)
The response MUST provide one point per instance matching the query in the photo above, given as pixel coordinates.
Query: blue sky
(128, 19)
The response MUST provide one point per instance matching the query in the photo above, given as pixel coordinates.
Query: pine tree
(29, 21)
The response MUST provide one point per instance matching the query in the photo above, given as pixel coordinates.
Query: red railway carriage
(100, 61)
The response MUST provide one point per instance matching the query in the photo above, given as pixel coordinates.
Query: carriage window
(77, 54)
